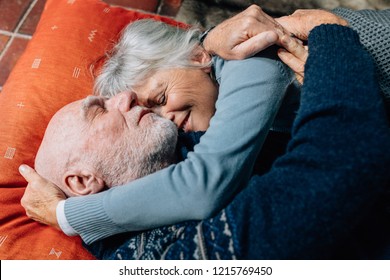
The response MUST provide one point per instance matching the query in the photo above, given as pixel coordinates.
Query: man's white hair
(145, 46)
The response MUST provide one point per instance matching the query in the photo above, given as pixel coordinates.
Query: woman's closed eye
(162, 100)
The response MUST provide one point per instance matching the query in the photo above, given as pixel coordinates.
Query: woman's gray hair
(145, 46)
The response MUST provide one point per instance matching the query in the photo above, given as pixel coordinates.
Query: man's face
(113, 139)
(133, 138)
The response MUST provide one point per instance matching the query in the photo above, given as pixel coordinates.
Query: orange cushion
(53, 71)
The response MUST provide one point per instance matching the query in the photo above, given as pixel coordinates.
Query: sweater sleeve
(336, 166)
(373, 28)
(250, 95)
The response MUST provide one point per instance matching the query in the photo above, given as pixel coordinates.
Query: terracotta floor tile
(11, 56)
(3, 41)
(11, 11)
(32, 19)
(146, 5)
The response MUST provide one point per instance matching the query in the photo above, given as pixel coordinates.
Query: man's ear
(201, 57)
(83, 184)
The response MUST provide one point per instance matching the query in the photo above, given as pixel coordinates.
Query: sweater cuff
(62, 221)
(338, 48)
(331, 34)
(92, 225)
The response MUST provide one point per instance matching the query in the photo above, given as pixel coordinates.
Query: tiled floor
(18, 19)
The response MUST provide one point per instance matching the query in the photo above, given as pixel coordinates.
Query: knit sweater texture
(373, 28)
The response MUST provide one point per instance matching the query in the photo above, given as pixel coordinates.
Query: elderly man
(315, 202)
(104, 143)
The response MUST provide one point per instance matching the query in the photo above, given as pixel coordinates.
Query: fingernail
(22, 168)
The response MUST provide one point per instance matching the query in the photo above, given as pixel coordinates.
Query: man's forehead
(70, 113)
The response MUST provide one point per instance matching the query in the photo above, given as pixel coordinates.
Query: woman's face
(185, 96)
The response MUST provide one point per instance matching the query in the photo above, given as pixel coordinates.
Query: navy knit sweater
(325, 198)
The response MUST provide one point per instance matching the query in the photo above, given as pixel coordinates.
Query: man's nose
(123, 101)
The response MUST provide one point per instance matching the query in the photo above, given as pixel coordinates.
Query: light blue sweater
(250, 95)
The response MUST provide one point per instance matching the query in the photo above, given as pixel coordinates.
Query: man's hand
(301, 22)
(244, 35)
(40, 198)
(294, 55)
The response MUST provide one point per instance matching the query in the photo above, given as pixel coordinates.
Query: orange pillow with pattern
(54, 70)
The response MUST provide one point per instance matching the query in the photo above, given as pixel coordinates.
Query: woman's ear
(202, 57)
(78, 184)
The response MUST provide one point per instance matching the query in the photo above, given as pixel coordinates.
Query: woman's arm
(250, 95)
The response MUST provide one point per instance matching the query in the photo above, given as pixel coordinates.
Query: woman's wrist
(204, 40)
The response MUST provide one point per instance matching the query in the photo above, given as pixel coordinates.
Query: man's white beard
(150, 151)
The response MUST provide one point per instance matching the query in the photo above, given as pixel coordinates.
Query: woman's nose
(123, 101)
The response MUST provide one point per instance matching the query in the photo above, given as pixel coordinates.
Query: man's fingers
(28, 173)
(296, 64)
(294, 25)
(295, 56)
(256, 44)
(293, 46)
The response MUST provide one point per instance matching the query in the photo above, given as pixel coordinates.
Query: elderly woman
(177, 84)
(174, 75)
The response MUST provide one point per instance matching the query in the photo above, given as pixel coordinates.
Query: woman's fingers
(255, 44)
(28, 173)
(232, 39)
(41, 197)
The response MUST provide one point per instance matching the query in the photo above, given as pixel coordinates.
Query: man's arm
(373, 28)
(336, 165)
(327, 184)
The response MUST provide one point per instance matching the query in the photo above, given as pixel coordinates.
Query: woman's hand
(294, 55)
(252, 31)
(243, 35)
(41, 197)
